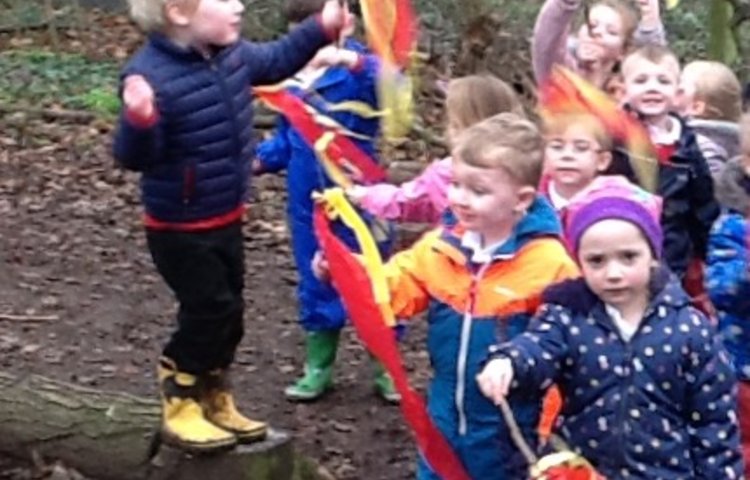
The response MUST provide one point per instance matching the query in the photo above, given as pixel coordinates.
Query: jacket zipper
(463, 351)
(230, 106)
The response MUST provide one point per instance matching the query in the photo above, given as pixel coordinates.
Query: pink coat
(423, 199)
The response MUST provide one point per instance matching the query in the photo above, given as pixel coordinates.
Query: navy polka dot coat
(660, 406)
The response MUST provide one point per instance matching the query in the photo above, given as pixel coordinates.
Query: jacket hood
(576, 296)
(729, 190)
(723, 134)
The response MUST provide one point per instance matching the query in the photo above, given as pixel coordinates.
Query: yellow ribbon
(337, 206)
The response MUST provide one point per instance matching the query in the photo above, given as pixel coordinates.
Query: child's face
(603, 37)
(616, 262)
(485, 200)
(687, 104)
(216, 22)
(574, 157)
(651, 88)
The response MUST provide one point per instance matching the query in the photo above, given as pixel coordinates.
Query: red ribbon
(350, 279)
(342, 151)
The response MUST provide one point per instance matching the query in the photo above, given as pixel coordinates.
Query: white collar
(480, 254)
(558, 201)
(668, 136)
(627, 329)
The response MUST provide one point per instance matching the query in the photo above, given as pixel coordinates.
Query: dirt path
(71, 245)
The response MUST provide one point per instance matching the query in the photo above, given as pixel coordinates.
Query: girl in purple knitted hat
(647, 388)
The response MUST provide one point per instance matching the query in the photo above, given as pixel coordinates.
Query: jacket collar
(576, 296)
(540, 221)
(729, 189)
(165, 44)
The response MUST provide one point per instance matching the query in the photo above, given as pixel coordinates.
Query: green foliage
(43, 79)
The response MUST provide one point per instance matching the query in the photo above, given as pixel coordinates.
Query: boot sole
(245, 438)
(202, 448)
(297, 398)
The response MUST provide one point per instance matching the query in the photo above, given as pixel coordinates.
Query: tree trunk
(108, 436)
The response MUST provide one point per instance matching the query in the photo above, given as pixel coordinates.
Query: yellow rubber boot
(183, 422)
(220, 409)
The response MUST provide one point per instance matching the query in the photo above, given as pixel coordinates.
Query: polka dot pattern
(658, 406)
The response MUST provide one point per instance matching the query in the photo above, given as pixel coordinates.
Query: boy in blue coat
(353, 80)
(186, 124)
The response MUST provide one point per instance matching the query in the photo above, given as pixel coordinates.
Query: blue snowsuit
(319, 304)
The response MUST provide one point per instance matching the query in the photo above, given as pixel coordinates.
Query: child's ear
(604, 160)
(526, 196)
(697, 108)
(177, 13)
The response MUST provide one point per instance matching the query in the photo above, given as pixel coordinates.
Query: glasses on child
(577, 147)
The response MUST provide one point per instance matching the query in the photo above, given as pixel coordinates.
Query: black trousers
(206, 271)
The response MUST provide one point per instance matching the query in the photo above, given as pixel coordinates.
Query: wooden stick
(515, 433)
(28, 318)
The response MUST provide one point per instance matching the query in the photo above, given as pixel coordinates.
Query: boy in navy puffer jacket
(728, 276)
(187, 126)
(647, 387)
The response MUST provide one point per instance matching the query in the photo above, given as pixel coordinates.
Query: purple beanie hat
(614, 197)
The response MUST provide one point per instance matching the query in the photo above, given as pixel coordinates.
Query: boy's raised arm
(274, 61)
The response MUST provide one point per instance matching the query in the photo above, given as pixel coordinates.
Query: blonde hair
(150, 15)
(718, 87)
(654, 54)
(471, 99)
(508, 141)
(558, 124)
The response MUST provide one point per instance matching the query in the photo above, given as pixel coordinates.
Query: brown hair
(652, 53)
(296, 11)
(718, 87)
(508, 141)
(557, 124)
(471, 99)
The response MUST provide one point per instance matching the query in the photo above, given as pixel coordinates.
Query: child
(648, 391)
(424, 199)
(480, 277)
(651, 76)
(711, 100)
(578, 148)
(728, 277)
(322, 315)
(601, 41)
(186, 125)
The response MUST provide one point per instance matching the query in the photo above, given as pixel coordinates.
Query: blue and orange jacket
(470, 306)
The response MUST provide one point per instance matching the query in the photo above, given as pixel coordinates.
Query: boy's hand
(138, 97)
(332, 55)
(650, 12)
(333, 17)
(320, 267)
(494, 381)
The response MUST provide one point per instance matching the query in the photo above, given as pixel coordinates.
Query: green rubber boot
(321, 353)
(384, 386)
